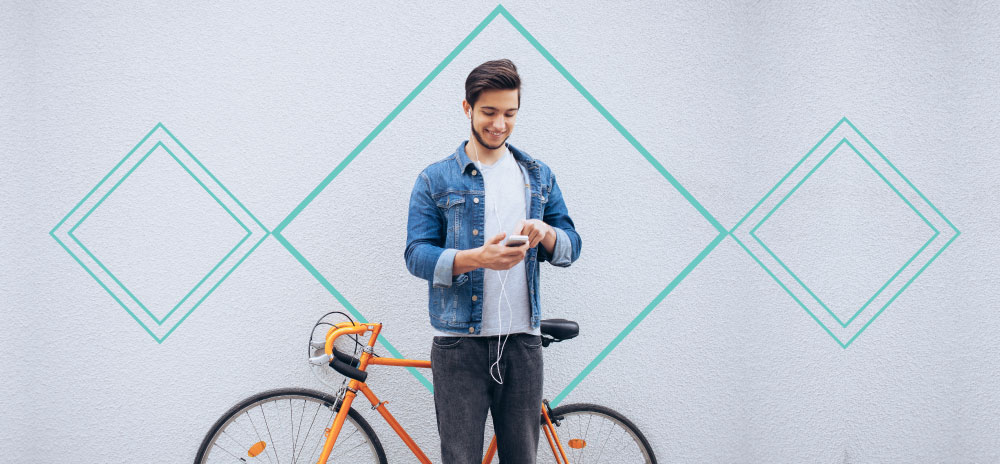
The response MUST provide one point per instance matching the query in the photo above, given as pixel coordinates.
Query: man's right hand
(492, 255)
(497, 256)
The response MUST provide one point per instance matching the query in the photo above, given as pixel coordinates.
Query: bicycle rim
(596, 434)
(288, 426)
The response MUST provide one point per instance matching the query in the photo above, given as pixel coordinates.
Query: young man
(483, 292)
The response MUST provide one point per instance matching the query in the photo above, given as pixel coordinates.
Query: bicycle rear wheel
(592, 433)
(288, 425)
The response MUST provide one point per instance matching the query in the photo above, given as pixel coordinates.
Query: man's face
(493, 117)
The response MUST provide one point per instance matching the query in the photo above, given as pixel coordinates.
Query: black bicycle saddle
(560, 329)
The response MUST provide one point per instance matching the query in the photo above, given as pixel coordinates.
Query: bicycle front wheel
(592, 433)
(288, 425)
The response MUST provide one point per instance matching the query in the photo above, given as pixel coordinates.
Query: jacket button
(472, 330)
(473, 172)
(474, 297)
(475, 200)
(475, 231)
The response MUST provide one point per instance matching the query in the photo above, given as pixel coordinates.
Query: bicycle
(245, 432)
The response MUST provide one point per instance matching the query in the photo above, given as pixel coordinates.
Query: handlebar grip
(346, 358)
(348, 371)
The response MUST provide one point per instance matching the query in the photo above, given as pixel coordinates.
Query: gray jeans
(464, 391)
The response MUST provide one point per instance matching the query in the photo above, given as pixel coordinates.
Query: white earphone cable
(498, 377)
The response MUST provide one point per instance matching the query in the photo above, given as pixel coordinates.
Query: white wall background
(727, 96)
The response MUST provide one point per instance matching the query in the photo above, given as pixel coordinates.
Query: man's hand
(538, 232)
(497, 256)
(492, 255)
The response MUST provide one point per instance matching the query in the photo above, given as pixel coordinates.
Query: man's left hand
(538, 232)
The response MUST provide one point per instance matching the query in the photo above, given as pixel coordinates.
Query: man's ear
(467, 109)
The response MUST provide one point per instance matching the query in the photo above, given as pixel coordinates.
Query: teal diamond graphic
(500, 11)
(845, 322)
(122, 246)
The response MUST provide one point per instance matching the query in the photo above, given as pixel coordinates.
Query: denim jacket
(447, 214)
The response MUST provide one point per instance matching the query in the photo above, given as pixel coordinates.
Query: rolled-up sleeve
(568, 243)
(444, 267)
(425, 234)
(562, 252)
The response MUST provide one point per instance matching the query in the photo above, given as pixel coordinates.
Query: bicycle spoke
(353, 447)
(319, 442)
(295, 437)
(305, 439)
(238, 437)
(605, 442)
(271, 438)
(587, 433)
(291, 423)
(227, 451)
(239, 445)
(266, 453)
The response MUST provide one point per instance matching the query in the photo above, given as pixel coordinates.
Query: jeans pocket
(448, 342)
(531, 342)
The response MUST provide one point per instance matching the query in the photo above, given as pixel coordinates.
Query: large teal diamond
(388, 168)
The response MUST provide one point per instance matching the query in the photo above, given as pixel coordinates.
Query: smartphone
(516, 240)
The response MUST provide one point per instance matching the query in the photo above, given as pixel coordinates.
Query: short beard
(479, 138)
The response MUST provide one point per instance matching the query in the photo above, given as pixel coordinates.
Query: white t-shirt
(504, 207)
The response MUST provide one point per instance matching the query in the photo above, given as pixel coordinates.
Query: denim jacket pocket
(452, 205)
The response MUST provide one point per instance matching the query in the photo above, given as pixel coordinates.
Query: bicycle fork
(338, 422)
(345, 405)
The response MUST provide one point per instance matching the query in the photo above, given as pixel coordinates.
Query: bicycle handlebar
(345, 368)
(343, 363)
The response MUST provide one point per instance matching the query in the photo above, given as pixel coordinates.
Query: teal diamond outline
(913, 188)
(159, 321)
(803, 284)
(115, 281)
(501, 11)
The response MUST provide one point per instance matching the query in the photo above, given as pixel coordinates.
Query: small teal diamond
(113, 233)
(927, 231)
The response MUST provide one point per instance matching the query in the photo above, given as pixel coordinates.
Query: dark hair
(496, 74)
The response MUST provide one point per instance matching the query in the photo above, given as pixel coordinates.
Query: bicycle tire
(574, 424)
(358, 431)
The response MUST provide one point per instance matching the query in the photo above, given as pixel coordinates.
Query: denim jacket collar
(464, 161)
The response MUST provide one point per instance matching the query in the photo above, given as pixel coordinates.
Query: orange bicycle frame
(346, 328)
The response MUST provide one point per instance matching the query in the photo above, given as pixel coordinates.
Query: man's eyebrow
(495, 109)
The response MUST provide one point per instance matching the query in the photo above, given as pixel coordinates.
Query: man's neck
(486, 156)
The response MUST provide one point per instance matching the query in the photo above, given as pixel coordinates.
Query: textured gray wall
(728, 97)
